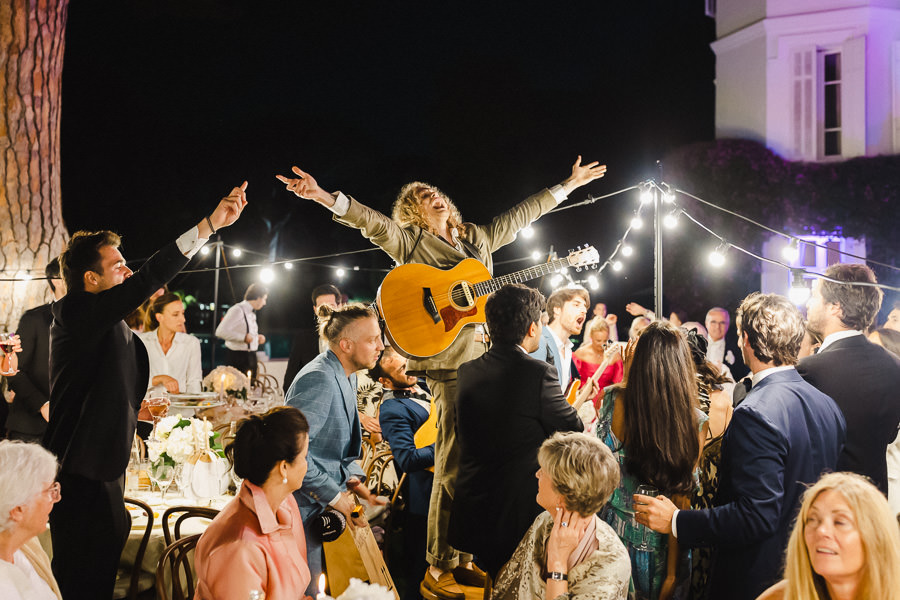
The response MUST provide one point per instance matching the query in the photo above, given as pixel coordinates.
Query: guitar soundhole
(462, 296)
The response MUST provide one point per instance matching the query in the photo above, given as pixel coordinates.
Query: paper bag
(355, 554)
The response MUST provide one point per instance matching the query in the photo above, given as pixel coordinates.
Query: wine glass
(162, 475)
(181, 480)
(645, 490)
(157, 406)
(7, 346)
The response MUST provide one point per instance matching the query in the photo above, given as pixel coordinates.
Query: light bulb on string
(617, 265)
(791, 252)
(528, 232)
(288, 266)
(340, 272)
(637, 222)
(236, 252)
(535, 255)
(646, 195)
(627, 250)
(593, 282)
(717, 256)
(670, 221)
(266, 275)
(204, 250)
(556, 280)
(799, 292)
(669, 197)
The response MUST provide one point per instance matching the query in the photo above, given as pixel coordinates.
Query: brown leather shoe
(474, 577)
(444, 587)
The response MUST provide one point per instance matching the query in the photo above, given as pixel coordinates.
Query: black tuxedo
(864, 380)
(508, 403)
(32, 383)
(98, 376)
(304, 348)
(738, 368)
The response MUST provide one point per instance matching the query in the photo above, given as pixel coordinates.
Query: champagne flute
(7, 346)
(162, 475)
(157, 407)
(645, 490)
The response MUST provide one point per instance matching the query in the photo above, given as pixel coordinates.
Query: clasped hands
(346, 504)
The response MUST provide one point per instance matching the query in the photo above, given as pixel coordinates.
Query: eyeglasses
(54, 492)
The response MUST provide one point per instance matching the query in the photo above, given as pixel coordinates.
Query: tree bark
(32, 40)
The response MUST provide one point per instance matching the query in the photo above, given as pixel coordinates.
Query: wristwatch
(557, 576)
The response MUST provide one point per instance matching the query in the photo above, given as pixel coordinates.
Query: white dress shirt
(181, 363)
(565, 354)
(237, 323)
(838, 335)
(715, 352)
(190, 242)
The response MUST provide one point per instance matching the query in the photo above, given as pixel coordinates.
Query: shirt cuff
(674, 520)
(334, 501)
(190, 242)
(341, 204)
(558, 193)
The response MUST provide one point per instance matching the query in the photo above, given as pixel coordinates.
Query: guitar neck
(492, 285)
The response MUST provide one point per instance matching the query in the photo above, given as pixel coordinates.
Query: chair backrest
(142, 547)
(177, 561)
(181, 514)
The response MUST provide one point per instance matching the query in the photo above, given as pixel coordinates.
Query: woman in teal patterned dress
(653, 426)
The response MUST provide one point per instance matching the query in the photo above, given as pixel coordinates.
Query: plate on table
(196, 400)
(139, 517)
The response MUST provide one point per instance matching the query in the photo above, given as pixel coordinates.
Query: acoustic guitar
(425, 308)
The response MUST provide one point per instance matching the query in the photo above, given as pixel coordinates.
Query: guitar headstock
(583, 257)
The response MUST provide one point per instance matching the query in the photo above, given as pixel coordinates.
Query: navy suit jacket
(400, 418)
(327, 397)
(782, 437)
(864, 380)
(32, 383)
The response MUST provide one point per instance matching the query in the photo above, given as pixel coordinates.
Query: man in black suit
(508, 403)
(30, 409)
(862, 377)
(307, 343)
(781, 439)
(98, 376)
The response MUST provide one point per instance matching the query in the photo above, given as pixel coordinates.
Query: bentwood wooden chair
(175, 573)
(180, 514)
(130, 584)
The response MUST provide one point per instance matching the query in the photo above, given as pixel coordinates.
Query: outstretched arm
(582, 175)
(305, 186)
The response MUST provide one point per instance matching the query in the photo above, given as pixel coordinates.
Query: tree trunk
(32, 40)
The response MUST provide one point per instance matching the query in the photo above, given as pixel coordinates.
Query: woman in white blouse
(27, 495)
(174, 355)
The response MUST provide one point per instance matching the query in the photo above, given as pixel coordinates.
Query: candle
(321, 595)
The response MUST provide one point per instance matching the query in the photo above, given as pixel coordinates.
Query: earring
(284, 480)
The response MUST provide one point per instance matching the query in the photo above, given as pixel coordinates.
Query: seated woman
(27, 495)
(257, 543)
(174, 355)
(569, 550)
(845, 544)
(653, 426)
(592, 356)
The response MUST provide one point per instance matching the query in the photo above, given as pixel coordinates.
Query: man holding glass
(98, 376)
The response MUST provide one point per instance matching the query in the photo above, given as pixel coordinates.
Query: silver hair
(24, 471)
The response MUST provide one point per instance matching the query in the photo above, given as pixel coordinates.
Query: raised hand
(583, 174)
(568, 529)
(229, 209)
(305, 186)
(636, 310)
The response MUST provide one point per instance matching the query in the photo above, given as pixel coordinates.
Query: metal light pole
(657, 256)
(215, 318)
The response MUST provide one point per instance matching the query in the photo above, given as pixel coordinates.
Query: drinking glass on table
(157, 406)
(8, 343)
(162, 475)
(645, 490)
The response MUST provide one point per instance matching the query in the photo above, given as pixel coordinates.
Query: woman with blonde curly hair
(845, 544)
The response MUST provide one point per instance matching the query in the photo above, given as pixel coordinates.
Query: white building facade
(813, 80)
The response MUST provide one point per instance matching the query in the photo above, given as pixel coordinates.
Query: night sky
(168, 104)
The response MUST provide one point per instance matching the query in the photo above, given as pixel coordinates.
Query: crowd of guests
(668, 472)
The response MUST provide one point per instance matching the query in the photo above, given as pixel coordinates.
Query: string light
(627, 250)
(288, 266)
(204, 250)
(340, 272)
(556, 280)
(267, 275)
(717, 256)
(646, 195)
(593, 282)
(617, 265)
(535, 255)
(528, 232)
(637, 222)
(670, 221)
(236, 252)
(791, 252)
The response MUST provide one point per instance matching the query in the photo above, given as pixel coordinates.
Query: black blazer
(32, 383)
(304, 348)
(508, 403)
(99, 371)
(864, 380)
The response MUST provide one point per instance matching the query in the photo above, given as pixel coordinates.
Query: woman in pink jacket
(256, 543)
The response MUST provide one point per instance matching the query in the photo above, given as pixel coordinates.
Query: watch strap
(557, 576)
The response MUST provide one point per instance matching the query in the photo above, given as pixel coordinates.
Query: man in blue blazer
(567, 309)
(325, 391)
(782, 437)
(404, 409)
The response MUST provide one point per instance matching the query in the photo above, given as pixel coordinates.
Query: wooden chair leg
(488, 585)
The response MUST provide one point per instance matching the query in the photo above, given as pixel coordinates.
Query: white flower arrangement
(177, 438)
(359, 590)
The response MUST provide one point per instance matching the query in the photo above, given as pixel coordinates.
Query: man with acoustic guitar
(426, 228)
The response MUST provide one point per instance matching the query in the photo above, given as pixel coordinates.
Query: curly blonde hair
(406, 209)
(878, 533)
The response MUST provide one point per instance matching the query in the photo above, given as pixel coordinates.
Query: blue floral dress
(648, 567)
